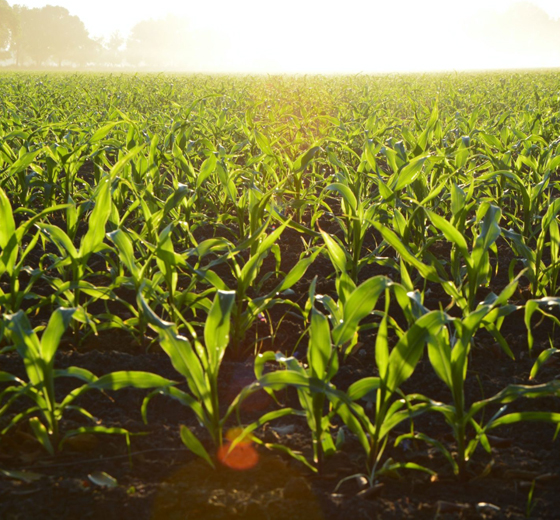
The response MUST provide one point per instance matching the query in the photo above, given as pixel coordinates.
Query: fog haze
(325, 37)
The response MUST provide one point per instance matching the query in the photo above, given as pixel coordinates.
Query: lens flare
(242, 456)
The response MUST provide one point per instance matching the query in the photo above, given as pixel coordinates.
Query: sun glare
(309, 36)
(241, 456)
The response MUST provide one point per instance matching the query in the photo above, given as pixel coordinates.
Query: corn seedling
(38, 356)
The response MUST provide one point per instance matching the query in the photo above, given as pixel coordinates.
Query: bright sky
(347, 36)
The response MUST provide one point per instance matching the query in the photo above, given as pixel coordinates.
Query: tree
(51, 33)
(8, 28)
(159, 43)
(114, 48)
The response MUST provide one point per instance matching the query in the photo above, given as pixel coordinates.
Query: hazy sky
(347, 35)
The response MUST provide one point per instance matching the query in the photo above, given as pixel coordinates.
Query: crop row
(190, 211)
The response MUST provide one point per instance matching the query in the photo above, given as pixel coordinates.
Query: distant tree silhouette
(158, 43)
(113, 49)
(8, 27)
(52, 34)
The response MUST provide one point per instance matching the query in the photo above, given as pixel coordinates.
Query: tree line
(51, 36)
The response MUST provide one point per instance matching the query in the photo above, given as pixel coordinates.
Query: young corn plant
(357, 215)
(542, 276)
(314, 387)
(46, 412)
(199, 364)
(73, 263)
(322, 357)
(448, 351)
(13, 254)
(247, 308)
(470, 269)
(392, 407)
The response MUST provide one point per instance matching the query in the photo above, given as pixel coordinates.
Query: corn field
(378, 255)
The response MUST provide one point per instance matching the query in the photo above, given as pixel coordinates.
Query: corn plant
(392, 407)
(449, 354)
(470, 270)
(315, 389)
(355, 221)
(46, 412)
(14, 252)
(542, 276)
(199, 364)
(247, 308)
(73, 263)
(323, 366)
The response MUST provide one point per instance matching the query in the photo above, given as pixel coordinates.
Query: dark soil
(162, 480)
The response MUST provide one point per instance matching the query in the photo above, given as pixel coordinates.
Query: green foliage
(38, 356)
(203, 207)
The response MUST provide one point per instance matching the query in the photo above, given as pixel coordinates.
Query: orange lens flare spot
(234, 433)
(242, 456)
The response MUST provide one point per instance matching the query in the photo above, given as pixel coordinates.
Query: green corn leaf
(41, 434)
(489, 233)
(193, 444)
(296, 273)
(513, 392)
(127, 378)
(153, 319)
(7, 377)
(382, 348)
(364, 386)
(97, 220)
(427, 271)
(408, 174)
(356, 420)
(264, 419)
(425, 136)
(76, 372)
(408, 350)
(337, 255)
(264, 143)
(531, 306)
(102, 132)
(123, 161)
(23, 162)
(105, 430)
(544, 356)
(357, 306)
(126, 251)
(187, 363)
(183, 397)
(439, 353)
(295, 455)
(179, 193)
(28, 346)
(303, 160)
(208, 167)
(525, 416)
(346, 193)
(320, 348)
(58, 323)
(8, 227)
(433, 442)
(216, 329)
(451, 233)
(60, 239)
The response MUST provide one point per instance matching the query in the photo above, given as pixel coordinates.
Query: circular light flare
(242, 457)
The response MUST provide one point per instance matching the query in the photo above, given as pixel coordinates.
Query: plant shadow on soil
(165, 481)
